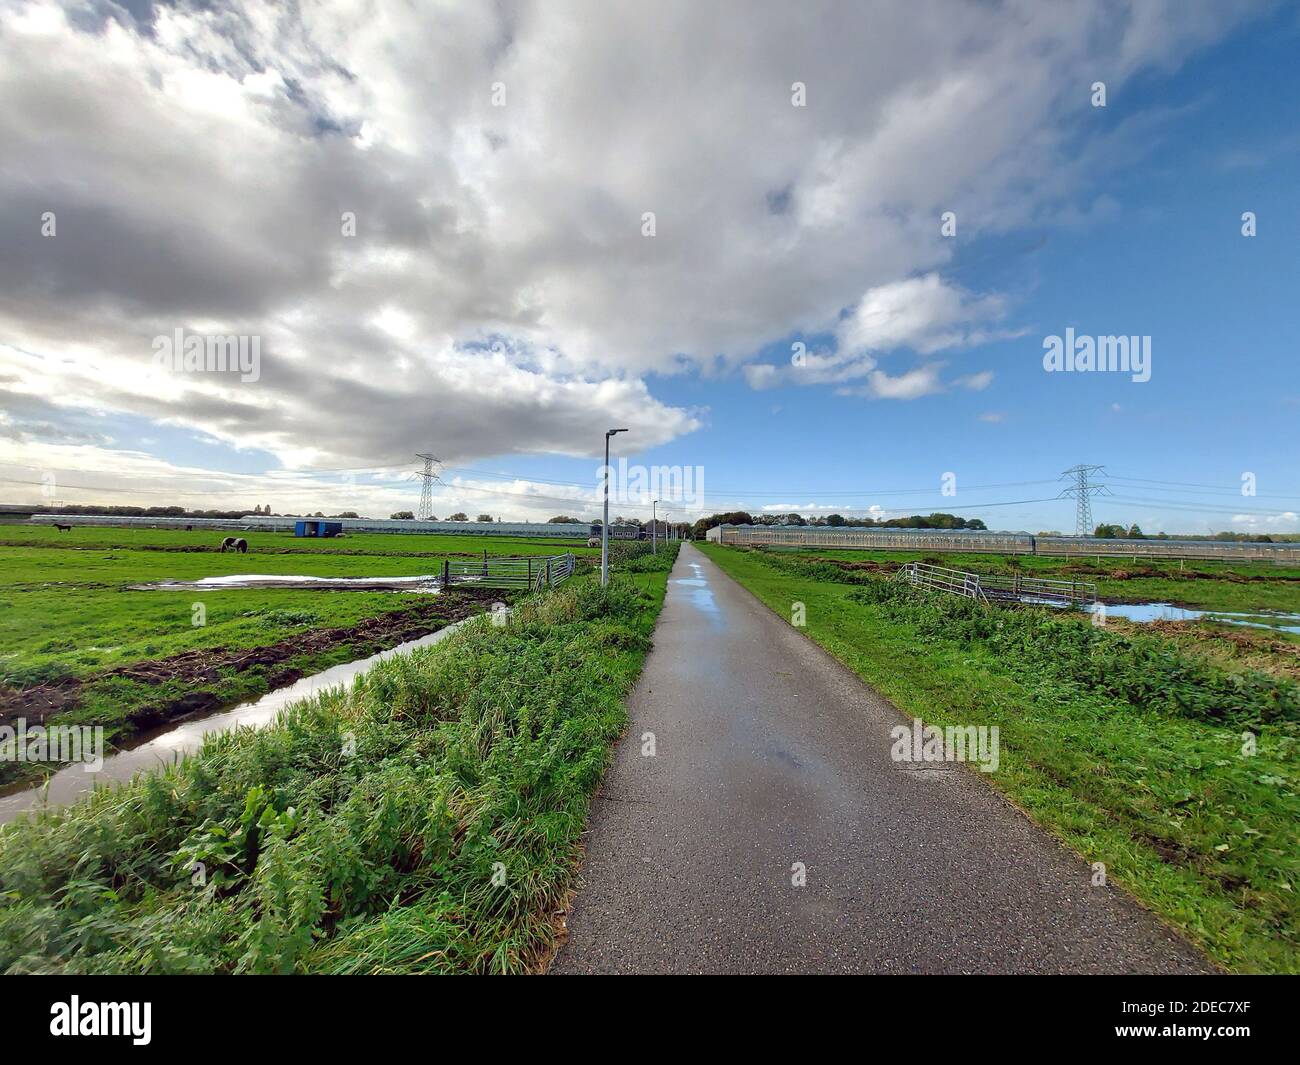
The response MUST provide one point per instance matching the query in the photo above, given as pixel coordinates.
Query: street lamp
(604, 529)
(654, 528)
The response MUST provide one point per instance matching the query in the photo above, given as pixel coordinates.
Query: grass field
(425, 820)
(1234, 586)
(431, 544)
(1128, 747)
(75, 636)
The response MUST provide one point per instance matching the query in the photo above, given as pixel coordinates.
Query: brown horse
(63, 528)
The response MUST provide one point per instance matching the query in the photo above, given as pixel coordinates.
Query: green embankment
(425, 820)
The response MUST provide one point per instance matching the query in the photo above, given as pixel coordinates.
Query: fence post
(446, 573)
(548, 571)
(530, 571)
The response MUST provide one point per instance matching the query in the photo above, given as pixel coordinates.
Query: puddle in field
(167, 745)
(425, 584)
(1276, 620)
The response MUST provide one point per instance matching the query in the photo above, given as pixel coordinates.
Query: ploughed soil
(1131, 573)
(205, 666)
(865, 566)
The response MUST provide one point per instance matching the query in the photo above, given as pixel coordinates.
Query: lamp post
(604, 529)
(654, 528)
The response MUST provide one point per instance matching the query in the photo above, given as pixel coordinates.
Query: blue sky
(1167, 259)
(500, 302)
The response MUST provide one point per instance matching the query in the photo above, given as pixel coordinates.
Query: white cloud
(975, 382)
(923, 313)
(1287, 518)
(199, 165)
(923, 381)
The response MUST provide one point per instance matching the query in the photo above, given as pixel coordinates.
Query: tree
(836, 520)
(564, 519)
(484, 517)
(459, 516)
(1134, 533)
(734, 517)
(402, 515)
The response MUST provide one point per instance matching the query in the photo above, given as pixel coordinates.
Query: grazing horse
(63, 528)
(235, 543)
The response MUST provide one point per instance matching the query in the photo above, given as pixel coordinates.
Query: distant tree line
(143, 512)
(937, 520)
(1119, 532)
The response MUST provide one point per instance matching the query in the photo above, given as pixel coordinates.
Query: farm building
(317, 527)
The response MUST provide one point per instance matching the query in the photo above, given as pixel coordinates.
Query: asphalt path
(771, 831)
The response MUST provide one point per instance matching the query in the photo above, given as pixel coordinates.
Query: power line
(1210, 508)
(768, 492)
(1148, 486)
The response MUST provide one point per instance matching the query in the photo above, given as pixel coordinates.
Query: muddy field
(197, 671)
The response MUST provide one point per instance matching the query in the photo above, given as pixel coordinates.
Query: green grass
(1233, 586)
(66, 599)
(425, 820)
(1150, 781)
(434, 544)
(68, 608)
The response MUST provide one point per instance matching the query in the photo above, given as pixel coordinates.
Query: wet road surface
(768, 753)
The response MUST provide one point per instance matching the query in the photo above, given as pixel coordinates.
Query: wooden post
(446, 573)
(530, 571)
(548, 571)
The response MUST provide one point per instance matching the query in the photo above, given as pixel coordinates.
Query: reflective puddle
(1144, 612)
(700, 594)
(424, 584)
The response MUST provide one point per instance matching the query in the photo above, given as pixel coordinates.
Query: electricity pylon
(428, 477)
(1083, 491)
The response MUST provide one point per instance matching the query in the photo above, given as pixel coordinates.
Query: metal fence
(530, 572)
(1011, 588)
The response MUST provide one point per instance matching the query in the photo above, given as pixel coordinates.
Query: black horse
(235, 543)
